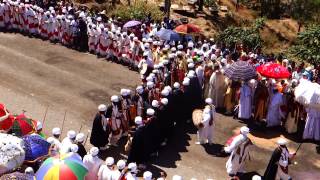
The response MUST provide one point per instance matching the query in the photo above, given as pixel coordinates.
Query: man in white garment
(274, 111)
(68, 141)
(132, 173)
(205, 133)
(74, 151)
(117, 173)
(147, 175)
(239, 149)
(283, 165)
(245, 102)
(56, 132)
(106, 170)
(92, 162)
(217, 87)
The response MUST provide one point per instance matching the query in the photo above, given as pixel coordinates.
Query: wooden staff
(80, 129)
(298, 148)
(85, 142)
(64, 118)
(44, 117)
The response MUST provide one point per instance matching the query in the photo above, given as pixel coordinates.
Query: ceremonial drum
(197, 118)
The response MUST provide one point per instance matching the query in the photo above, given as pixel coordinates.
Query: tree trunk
(167, 5)
(200, 5)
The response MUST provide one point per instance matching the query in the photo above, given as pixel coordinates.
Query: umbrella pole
(298, 148)
(44, 117)
(64, 118)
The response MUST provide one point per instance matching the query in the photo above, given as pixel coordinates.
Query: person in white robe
(274, 111)
(245, 102)
(92, 162)
(205, 134)
(68, 141)
(217, 88)
(312, 127)
(200, 74)
(239, 149)
(106, 170)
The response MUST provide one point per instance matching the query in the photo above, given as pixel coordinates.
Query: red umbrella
(187, 29)
(273, 70)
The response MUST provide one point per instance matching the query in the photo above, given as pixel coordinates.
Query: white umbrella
(11, 152)
(308, 94)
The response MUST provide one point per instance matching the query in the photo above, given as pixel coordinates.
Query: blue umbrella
(168, 35)
(35, 147)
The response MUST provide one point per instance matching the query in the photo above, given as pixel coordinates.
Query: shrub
(138, 11)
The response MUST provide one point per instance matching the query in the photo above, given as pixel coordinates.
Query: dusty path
(35, 74)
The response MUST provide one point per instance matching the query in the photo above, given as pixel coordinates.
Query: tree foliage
(248, 36)
(138, 11)
(307, 45)
(305, 11)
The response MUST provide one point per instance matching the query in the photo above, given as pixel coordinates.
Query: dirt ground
(36, 75)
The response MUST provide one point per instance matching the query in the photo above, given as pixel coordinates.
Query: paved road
(35, 75)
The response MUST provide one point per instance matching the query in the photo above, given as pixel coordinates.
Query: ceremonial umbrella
(308, 94)
(132, 23)
(35, 147)
(241, 70)
(6, 119)
(12, 153)
(17, 176)
(62, 167)
(168, 35)
(273, 70)
(23, 125)
(187, 29)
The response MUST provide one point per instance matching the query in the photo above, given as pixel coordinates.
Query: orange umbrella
(187, 29)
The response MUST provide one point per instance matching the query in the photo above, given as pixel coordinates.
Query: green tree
(249, 36)
(307, 45)
(305, 11)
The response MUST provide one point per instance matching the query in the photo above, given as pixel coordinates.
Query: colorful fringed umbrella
(23, 125)
(6, 119)
(63, 167)
(16, 176)
(187, 29)
(35, 147)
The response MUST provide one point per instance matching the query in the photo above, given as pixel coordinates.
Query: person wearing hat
(120, 171)
(131, 174)
(92, 162)
(56, 132)
(115, 116)
(68, 141)
(275, 114)
(140, 101)
(106, 170)
(239, 149)
(100, 129)
(137, 150)
(79, 142)
(29, 172)
(83, 36)
(39, 130)
(279, 162)
(147, 175)
(126, 105)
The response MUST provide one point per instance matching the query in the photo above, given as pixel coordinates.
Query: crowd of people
(176, 79)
